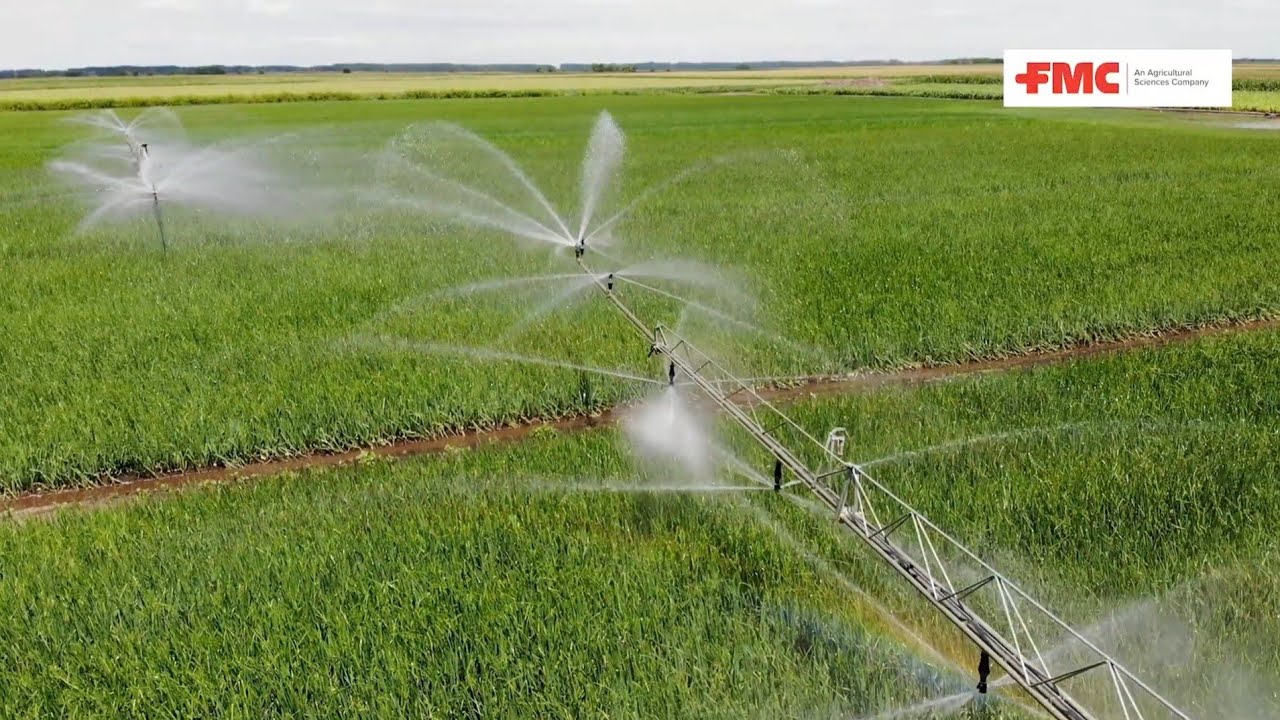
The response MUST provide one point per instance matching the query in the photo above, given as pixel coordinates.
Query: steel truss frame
(997, 615)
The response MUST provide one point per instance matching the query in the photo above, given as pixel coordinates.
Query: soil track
(797, 388)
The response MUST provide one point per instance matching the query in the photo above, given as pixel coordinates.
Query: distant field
(909, 80)
(1257, 71)
(356, 80)
(369, 84)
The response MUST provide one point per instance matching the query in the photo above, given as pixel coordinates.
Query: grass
(907, 88)
(1138, 484)
(1259, 100)
(481, 584)
(393, 592)
(1161, 451)
(881, 232)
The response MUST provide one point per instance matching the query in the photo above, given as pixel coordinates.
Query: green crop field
(876, 233)
(561, 576)
(505, 582)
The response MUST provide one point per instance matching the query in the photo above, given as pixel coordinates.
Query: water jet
(992, 612)
(132, 169)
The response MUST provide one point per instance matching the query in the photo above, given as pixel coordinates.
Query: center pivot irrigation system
(956, 582)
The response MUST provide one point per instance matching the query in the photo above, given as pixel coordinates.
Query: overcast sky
(67, 33)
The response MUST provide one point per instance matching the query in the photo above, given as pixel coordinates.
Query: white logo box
(1118, 78)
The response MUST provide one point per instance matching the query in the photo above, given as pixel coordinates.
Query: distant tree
(743, 66)
(346, 71)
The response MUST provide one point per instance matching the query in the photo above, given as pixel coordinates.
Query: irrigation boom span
(1009, 639)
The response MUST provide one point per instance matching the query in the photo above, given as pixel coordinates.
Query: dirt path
(40, 502)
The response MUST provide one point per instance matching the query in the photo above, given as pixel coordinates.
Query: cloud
(269, 7)
(195, 32)
(182, 5)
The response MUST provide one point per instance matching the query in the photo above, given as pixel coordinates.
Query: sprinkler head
(581, 248)
(144, 148)
(610, 282)
(671, 374)
(777, 476)
(984, 670)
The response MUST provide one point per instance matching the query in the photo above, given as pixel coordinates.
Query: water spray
(857, 502)
(853, 496)
(120, 177)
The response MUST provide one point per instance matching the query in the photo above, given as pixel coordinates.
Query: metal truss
(1004, 621)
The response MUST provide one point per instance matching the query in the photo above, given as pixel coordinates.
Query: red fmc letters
(1100, 76)
(1081, 78)
(1037, 73)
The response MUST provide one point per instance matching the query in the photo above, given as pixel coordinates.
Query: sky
(70, 33)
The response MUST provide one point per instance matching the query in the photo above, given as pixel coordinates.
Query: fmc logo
(1070, 78)
(1116, 78)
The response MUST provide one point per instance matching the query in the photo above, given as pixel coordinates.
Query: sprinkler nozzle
(609, 281)
(984, 670)
(144, 148)
(671, 374)
(580, 248)
(777, 476)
